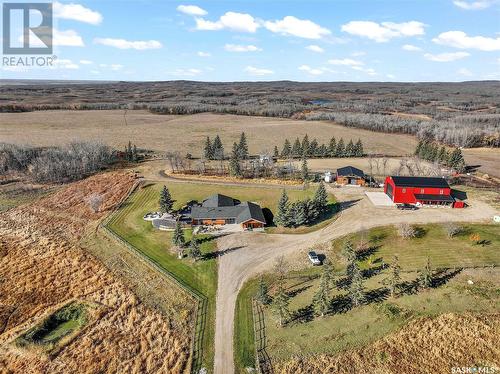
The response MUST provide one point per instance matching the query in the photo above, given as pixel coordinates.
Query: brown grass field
(187, 133)
(41, 255)
(181, 133)
(427, 345)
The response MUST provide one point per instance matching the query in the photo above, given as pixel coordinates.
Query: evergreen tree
(332, 147)
(135, 155)
(350, 256)
(178, 236)
(243, 147)
(287, 149)
(234, 162)
(166, 202)
(297, 148)
(442, 156)
(305, 145)
(304, 170)
(129, 151)
(262, 293)
(394, 277)
(321, 198)
(425, 275)
(418, 149)
(340, 152)
(218, 149)
(281, 304)
(457, 161)
(433, 152)
(282, 217)
(358, 149)
(349, 150)
(313, 148)
(322, 151)
(356, 288)
(298, 213)
(208, 151)
(194, 249)
(321, 300)
(276, 152)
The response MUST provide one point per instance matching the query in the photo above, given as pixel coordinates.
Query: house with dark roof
(223, 210)
(349, 175)
(420, 190)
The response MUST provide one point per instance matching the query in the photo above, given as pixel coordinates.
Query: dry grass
(486, 158)
(182, 133)
(426, 345)
(41, 256)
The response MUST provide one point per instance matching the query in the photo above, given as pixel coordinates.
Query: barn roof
(350, 171)
(433, 182)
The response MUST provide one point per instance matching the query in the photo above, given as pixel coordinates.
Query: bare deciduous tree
(406, 231)
(452, 229)
(95, 202)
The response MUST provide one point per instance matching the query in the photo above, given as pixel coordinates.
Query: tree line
(55, 164)
(301, 212)
(308, 148)
(432, 152)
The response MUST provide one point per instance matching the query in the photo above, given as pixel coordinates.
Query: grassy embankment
(346, 327)
(202, 275)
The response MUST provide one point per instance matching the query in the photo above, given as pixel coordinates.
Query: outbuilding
(420, 190)
(349, 175)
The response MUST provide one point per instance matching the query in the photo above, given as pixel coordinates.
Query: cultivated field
(182, 133)
(42, 257)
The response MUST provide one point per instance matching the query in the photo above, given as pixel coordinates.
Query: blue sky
(318, 40)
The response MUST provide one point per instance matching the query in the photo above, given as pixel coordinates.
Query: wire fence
(200, 314)
(262, 359)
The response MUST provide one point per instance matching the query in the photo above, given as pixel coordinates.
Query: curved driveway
(248, 254)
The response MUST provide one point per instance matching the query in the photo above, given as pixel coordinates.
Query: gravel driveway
(247, 254)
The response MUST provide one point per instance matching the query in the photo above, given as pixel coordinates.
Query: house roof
(240, 212)
(428, 197)
(350, 171)
(218, 200)
(420, 182)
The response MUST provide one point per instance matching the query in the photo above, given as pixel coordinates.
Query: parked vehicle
(313, 257)
(406, 207)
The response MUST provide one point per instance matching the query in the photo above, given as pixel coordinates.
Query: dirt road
(248, 254)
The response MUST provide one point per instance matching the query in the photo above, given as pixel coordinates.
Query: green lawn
(350, 328)
(202, 275)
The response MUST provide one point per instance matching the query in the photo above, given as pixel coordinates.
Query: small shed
(349, 175)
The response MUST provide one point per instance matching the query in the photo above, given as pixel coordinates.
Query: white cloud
(186, 72)
(67, 38)
(465, 72)
(241, 48)
(86, 62)
(315, 48)
(233, 21)
(411, 48)
(258, 71)
(203, 54)
(76, 12)
(368, 71)
(192, 10)
(390, 76)
(358, 54)
(459, 39)
(292, 26)
(64, 64)
(473, 5)
(311, 70)
(128, 44)
(446, 57)
(385, 31)
(113, 67)
(345, 62)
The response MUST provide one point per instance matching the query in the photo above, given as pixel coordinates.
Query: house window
(441, 192)
(422, 191)
(404, 190)
(230, 221)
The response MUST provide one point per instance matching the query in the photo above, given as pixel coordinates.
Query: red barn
(423, 190)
